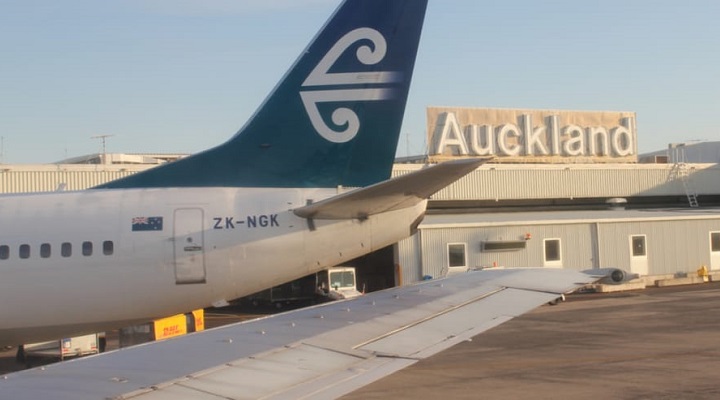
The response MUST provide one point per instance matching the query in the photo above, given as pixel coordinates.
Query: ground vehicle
(60, 349)
(330, 284)
(338, 283)
(163, 328)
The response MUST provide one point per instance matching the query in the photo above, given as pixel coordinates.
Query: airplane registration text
(251, 221)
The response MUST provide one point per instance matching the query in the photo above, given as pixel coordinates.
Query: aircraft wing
(393, 194)
(320, 352)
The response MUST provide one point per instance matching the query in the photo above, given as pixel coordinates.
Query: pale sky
(180, 76)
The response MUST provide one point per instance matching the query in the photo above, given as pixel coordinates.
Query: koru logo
(345, 117)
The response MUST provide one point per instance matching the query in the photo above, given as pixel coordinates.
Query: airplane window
(108, 247)
(45, 250)
(24, 251)
(66, 249)
(87, 248)
(4, 252)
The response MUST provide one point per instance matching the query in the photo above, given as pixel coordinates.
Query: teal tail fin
(334, 119)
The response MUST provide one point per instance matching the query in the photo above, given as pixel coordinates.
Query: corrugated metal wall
(576, 246)
(408, 258)
(673, 245)
(490, 182)
(24, 179)
(518, 181)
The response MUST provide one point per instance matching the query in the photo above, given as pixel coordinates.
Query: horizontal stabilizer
(393, 194)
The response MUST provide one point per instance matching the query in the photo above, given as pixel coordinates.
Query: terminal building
(563, 189)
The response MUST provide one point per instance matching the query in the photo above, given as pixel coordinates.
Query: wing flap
(261, 376)
(445, 330)
(393, 194)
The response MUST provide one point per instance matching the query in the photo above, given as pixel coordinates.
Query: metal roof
(473, 220)
(491, 182)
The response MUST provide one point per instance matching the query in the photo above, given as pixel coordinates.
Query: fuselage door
(189, 246)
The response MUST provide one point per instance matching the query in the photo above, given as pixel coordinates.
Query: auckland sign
(533, 135)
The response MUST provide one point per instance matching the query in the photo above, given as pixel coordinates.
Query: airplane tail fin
(334, 119)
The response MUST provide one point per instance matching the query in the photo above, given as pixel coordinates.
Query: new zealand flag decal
(147, 224)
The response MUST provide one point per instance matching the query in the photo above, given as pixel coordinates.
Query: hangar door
(189, 246)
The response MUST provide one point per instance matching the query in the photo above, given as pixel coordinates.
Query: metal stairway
(681, 171)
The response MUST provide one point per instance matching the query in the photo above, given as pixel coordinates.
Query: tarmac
(657, 343)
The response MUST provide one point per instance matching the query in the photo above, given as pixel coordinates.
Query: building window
(638, 246)
(108, 247)
(87, 248)
(24, 251)
(552, 252)
(4, 252)
(715, 242)
(456, 255)
(503, 245)
(45, 250)
(66, 249)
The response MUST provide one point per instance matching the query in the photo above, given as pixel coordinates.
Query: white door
(188, 239)
(714, 250)
(638, 254)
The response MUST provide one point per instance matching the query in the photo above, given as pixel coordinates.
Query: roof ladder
(684, 175)
(681, 171)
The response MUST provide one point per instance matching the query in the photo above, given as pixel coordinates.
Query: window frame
(501, 246)
(449, 257)
(644, 246)
(45, 250)
(715, 244)
(87, 248)
(108, 247)
(66, 249)
(552, 262)
(22, 253)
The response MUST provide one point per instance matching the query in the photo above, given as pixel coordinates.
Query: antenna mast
(103, 138)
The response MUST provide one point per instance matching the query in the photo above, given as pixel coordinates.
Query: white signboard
(532, 135)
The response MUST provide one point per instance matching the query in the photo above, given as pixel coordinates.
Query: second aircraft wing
(320, 352)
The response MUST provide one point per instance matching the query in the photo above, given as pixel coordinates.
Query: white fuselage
(215, 245)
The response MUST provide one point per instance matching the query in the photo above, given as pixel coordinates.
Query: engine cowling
(612, 276)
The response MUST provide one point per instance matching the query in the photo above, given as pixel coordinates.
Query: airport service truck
(337, 283)
(60, 349)
(331, 284)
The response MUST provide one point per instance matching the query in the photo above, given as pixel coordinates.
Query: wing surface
(393, 194)
(319, 352)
